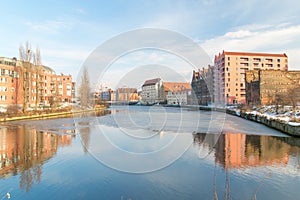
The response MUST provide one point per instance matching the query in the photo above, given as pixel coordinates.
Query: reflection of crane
(227, 191)
(215, 183)
(268, 175)
(227, 185)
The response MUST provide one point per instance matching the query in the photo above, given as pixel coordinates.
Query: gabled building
(152, 91)
(177, 93)
(203, 86)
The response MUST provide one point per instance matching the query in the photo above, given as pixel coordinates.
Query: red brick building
(26, 85)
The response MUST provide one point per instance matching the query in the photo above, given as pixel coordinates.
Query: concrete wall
(278, 125)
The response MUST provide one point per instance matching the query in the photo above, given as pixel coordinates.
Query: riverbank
(58, 114)
(290, 128)
(282, 124)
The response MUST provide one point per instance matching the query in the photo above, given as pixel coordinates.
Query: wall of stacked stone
(278, 125)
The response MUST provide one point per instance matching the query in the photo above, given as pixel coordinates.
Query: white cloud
(51, 26)
(280, 39)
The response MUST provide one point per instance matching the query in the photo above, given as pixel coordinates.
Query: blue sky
(68, 31)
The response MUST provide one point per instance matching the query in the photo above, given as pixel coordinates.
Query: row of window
(4, 62)
(242, 95)
(259, 59)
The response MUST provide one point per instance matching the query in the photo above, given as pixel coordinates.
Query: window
(278, 60)
(269, 60)
(257, 59)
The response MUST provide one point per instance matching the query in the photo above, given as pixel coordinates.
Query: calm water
(147, 153)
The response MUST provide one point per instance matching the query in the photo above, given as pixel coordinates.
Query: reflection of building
(234, 150)
(202, 84)
(272, 87)
(22, 149)
(230, 69)
(152, 91)
(176, 93)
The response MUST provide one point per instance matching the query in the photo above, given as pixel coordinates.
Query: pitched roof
(151, 81)
(176, 86)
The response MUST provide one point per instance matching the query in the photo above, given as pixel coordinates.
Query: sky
(67, 32)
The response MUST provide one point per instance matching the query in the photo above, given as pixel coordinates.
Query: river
(153, 152)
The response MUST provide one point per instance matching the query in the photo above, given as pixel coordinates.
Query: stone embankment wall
(278, 125)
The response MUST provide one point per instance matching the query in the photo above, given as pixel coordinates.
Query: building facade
(230, 69)
(62, 87)
(270, 87)
(176, 93)
(152, 91)
(203, 86)
(25, 85)
(126, 94)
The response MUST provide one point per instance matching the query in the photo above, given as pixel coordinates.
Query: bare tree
(26, 55)
(85, 89)
(294, 96)
(37, 61)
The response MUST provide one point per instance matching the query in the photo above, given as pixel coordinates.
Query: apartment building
(230, 68)
(9, 82)
(152, 91)
(27, 85)
(62, 87)
(270, 87)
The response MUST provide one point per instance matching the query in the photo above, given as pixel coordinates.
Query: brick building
(230, 69)
(26, 85)
(62, 86)
(266, 87)
(203, 86)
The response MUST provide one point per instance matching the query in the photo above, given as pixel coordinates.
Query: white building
(152, 91)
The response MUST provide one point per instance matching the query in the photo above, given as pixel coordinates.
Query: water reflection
(23, 151)
(235, 150)
(85, 134)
